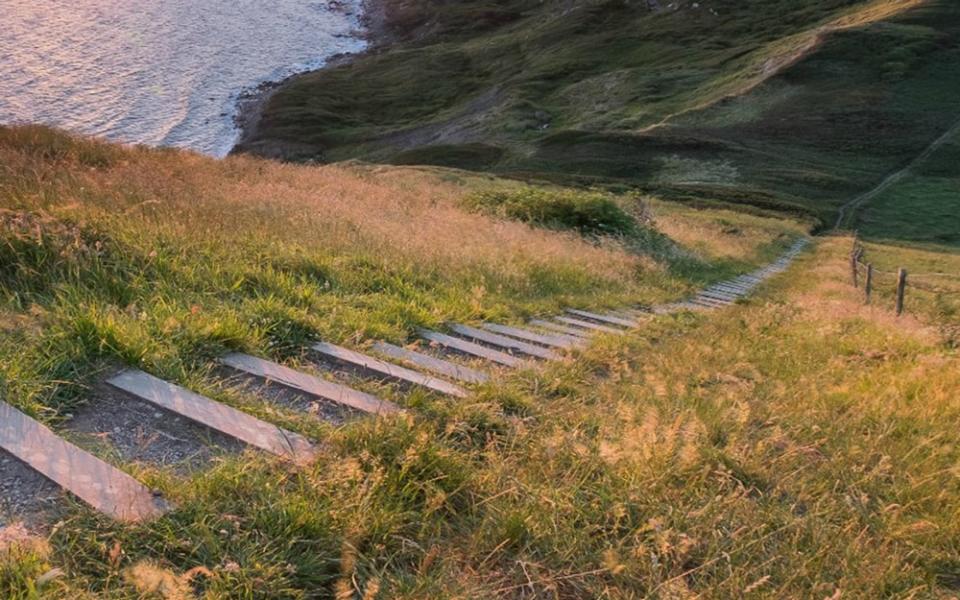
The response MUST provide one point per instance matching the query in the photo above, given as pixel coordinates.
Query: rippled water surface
(159, 72)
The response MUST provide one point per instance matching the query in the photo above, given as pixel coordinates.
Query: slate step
(99, 484)
(389, 370)
(465, 347)
(710, 302)
(588, 325)
(563, 329)
(719, 296)
(730, 289)
(609, 319)
(431, 363)
(555, 341)
(308, 384)
(219, 417)
(504, 342)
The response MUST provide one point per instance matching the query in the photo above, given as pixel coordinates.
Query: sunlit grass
(165, 260)
(798, 445)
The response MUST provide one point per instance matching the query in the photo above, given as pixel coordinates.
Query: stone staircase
(446, 363)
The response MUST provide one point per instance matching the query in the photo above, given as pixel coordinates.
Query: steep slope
(865, 105)
(717, 455)
(921, 203)
(160, 258)
(823, 99)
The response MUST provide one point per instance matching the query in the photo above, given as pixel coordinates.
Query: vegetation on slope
(691, 459)
(165, 260)
(833, 95)
(923, 206)
(933, 282)
(865, 105)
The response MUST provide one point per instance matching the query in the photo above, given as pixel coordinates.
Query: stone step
(308, 384)
(101, 485)
(431, 363)
(721, 293)
(563, 329)
(724, 297)
(730, 289)
(219, 417)
(609, 319)
(718, 299)
(555, 341)
(709, 303)
(588, 325)
(460, 345)
(504, 342)
(388, 370)
(633, 314)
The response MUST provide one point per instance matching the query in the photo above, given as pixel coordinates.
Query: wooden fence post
(853, 268)
(901, 288)
(868, 284)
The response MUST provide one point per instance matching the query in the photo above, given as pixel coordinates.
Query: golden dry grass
(720, 234)
(407, 214)
(547, 482)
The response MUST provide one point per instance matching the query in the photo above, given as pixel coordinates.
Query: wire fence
(942, 285)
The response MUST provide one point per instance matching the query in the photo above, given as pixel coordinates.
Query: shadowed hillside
(828, 97)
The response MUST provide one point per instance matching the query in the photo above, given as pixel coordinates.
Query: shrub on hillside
(589, 212)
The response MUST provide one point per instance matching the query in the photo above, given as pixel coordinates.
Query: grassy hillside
(827, 97)
(796, 445)
(166, 259)
(922, 206)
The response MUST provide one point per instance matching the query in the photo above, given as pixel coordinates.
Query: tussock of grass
(796, 445)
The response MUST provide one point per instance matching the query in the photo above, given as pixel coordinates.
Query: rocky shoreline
(252, 102)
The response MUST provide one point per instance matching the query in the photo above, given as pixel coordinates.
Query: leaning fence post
(901, 288)
(868, 284)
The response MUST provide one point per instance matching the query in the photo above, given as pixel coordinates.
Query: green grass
(728, 455)
(566, 94)
(923, 207)
(593, 214)
(163, 260)
(933, 282)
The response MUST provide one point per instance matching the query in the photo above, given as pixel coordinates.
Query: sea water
(159, 72)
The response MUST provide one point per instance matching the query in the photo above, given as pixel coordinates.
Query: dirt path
(847, 211)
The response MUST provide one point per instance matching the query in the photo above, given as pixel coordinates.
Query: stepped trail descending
(447, 364)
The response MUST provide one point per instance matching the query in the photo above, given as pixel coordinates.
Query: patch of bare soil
(25, 495)
(280, 395)
(132, 430)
